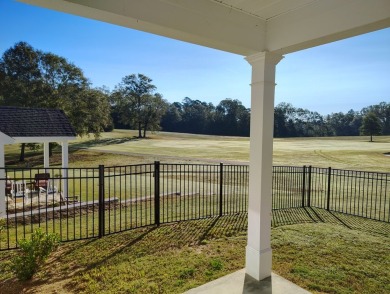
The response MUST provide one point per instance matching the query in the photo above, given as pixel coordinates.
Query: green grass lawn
(324, 254)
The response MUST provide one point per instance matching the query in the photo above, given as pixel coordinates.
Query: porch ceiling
(265, 9)
(238, 26)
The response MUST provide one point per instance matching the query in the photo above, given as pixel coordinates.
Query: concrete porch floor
(240, 283)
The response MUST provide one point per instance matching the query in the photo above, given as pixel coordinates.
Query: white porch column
(258, 250)
(65, 166)
(46, 154)
(2, 182)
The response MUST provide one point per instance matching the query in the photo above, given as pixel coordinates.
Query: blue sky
(348, 74)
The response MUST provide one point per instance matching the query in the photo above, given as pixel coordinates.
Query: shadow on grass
(316, 215)
(121, 248)
(103, 142)
(198, 232)
(34, 158)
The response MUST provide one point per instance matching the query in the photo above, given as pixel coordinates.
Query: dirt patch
(13, 286)
(50, 278)
(55, 287)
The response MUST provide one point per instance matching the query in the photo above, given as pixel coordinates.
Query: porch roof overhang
(238, 26)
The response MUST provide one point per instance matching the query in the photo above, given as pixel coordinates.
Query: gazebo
(262, 31)
(33, 125)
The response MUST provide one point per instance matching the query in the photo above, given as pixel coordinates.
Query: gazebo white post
(258, 250)
(2, 182)
(46, 153)
(65, 167)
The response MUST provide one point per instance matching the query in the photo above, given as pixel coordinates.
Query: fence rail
(82, 203)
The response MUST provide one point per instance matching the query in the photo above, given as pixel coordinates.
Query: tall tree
(88, 110)
(153, 110)
(232, 118)
(197, 116)
(371, 125)
(20, 77)
(285, 120)
(280, 123)
(172, 118)
(382, 111)
(139, 107)
(344, 124)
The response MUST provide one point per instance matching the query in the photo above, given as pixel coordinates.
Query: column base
(258, 263)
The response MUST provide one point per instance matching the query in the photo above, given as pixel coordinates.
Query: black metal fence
(82, 203)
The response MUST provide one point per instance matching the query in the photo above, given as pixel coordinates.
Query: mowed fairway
(179, 145)
(354, 153)
(337, 152)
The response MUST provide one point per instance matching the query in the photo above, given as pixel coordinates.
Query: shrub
(186, 273)
(216, 264)
(33, 253)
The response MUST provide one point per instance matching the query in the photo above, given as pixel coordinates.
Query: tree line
(297, 122)
(135, 106)
(147, 111)
(231, 118)
(33, 78)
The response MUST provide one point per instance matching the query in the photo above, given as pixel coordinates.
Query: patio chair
(50, 190)
(41, 181)
(19, 189)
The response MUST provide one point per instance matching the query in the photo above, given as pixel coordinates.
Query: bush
(216, 264)
(186, 273)
(33, 253)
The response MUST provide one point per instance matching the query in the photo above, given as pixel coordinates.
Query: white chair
(19, 189)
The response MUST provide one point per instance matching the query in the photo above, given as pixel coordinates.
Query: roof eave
(18, 140)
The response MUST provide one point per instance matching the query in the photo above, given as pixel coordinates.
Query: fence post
(3, 185)
(309, 188)
(157, 193)
(220, 189)
(101, 201)
(303, 185)
(329, 181)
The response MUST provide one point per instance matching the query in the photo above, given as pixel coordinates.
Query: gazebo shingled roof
(34, 122)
